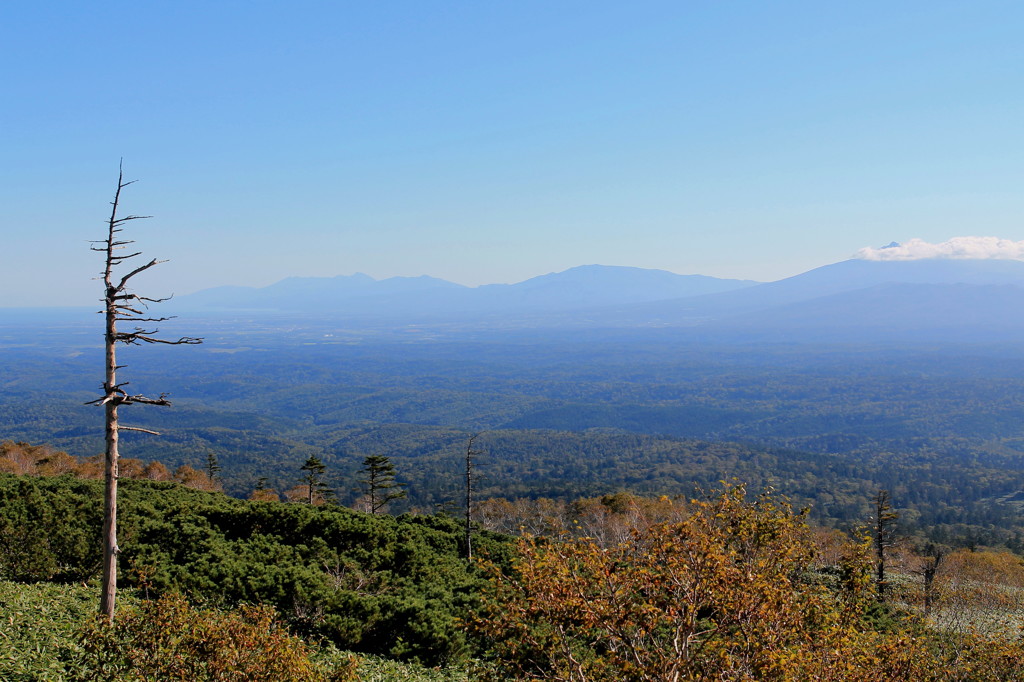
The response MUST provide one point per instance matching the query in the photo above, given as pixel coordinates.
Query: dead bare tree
(933, 557)
(884, 538)
(121, 305)
(470, 489)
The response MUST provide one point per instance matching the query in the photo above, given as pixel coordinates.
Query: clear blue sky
(494, 141)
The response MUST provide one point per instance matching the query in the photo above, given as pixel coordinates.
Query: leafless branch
(146, 336)
(131, 217)
(143, 400)
(137, 428)
(147, 266)
(130, 318)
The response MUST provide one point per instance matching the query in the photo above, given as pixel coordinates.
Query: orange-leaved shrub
(167, 639)
(727, 593)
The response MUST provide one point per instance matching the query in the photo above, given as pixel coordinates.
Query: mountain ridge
(866, 299)
(586, 285)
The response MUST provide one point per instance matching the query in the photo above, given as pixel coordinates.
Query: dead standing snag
(121, 305)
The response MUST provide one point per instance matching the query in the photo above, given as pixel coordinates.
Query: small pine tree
(212, 466)
(313, 478)
(263, 493)
(379, 482)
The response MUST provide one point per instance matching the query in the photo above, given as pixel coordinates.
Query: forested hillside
(560, 414)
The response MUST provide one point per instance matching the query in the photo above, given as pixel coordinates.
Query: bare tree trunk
(885, 529)
(109, 583)
(470, 460)
(109, 580)
(934, 558)
(372, 482)
(120, 305)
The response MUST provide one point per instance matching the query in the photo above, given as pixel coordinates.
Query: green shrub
(392, 587)
(37, 626)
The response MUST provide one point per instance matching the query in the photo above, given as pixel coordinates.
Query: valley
(565, 409)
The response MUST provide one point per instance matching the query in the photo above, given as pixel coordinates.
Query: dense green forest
(560, 415)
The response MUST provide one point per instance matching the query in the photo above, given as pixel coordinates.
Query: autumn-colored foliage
(41, 460)
(979, 591)
(617, 587)
(264, 495)
(607, 519)
(301, 493)
(167, 639)
(722, 593)
(731, 592)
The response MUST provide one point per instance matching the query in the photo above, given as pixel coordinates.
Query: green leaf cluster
(37, 630)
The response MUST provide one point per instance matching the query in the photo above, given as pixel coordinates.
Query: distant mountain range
(584, 287)
(856, 292)
(856, 299)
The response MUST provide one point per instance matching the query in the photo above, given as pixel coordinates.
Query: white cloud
(957, 247)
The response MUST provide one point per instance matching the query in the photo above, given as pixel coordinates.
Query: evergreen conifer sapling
(379, 482)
